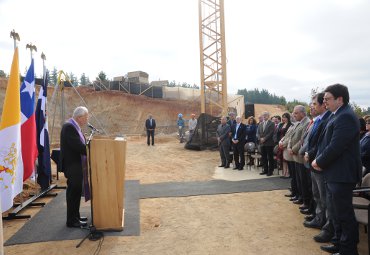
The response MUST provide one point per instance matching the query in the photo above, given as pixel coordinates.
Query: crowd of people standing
(324, 152)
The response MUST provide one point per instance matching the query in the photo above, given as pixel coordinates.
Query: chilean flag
(28, 127)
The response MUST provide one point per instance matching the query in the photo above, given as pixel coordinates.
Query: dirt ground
(243, 223)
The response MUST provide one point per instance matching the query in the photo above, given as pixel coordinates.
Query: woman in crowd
(251, 130)
(365, 147)
(286, 124)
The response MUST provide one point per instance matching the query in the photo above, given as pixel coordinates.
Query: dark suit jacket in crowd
(313, 139)
(240, 135)
(267, 133)
(71, 149)
(338, 153)
(148, 126)
(365, 152)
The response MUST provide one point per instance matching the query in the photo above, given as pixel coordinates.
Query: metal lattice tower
(212, 55)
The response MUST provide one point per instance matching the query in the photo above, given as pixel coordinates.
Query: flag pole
(32, 48)
(43, 63)
(15, 37)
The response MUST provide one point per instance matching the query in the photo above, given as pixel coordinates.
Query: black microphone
(93, 128)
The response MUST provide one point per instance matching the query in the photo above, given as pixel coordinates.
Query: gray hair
(266, 114)
(301, 108)
(80, 111)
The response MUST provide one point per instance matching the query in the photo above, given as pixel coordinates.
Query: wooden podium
(108, 163)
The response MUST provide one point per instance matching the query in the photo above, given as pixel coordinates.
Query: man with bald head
(300, 183)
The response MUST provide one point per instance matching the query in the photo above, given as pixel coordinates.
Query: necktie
(150, 122)
(264, 126)
(315, 125)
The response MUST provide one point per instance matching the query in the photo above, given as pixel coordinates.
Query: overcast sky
(287, 47)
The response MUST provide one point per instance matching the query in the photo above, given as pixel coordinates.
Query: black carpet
(49, 223)
(214, 187)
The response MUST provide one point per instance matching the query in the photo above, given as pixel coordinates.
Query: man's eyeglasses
(328, 98)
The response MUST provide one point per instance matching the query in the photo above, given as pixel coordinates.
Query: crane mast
(212, 57)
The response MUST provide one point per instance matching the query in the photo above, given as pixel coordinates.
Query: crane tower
(212, 56)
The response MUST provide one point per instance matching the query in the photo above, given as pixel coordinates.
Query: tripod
(93, 234)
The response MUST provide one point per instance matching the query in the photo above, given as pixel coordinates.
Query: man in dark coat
(338, 157)
(238, 139)
(72, 161)
(265, 132)
(223, 131)
(150, 128)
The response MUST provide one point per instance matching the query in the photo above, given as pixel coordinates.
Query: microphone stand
(93, 234)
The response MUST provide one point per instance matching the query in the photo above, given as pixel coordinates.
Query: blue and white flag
(44, 166)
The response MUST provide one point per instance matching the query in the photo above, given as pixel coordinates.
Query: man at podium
(73, 161)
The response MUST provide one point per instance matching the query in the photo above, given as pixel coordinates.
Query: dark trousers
(319, 195)
(293, 180)
(73, 195)
(304, 182)
(344, 221)
(239, 158)
(268, 159)
(150, 133)
(225, 154)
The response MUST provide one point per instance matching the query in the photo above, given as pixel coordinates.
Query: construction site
(177, 201)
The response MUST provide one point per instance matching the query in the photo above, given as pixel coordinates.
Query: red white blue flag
(28, 124)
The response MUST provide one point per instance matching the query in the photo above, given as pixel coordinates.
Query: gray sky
(287, 46)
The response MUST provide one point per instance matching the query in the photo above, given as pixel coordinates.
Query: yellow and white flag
(11, 165)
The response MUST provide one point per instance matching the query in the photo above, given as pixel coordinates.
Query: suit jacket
(223, 133)
(285, 142)
(338, 153)
(296, 139)
(240, 134)
(365, 152)
(313, 139)
(71, 149)
(148, 126)
(267, 134)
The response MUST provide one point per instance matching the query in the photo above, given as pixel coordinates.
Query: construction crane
(212, 56)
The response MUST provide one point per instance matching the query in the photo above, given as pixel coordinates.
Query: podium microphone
(93, 128)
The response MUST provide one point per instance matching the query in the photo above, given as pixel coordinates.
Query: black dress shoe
(323, 237)
(221, 166)
(309, 217)
(306, 212)
(240, 168)
(289, 195)
(303, 207)
(77, 224)
(235, 168)
(83, 218)
(298, 202)
(293, 199)
(263, 173)
(227, 166)
(312, 224)
(330, 248)
(269, 174)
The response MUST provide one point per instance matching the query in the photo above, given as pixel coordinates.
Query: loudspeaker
(249, 110)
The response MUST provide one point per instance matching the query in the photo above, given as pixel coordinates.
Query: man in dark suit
(150, 128)
(72, 161)
(238, 139)
(321, 115)
(265, 134)
(223, 131)
(338, 157)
